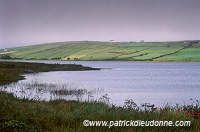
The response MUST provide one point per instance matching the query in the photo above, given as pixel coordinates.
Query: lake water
(145, 82)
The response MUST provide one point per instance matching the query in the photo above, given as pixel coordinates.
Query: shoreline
(99, 61)
(16, 68)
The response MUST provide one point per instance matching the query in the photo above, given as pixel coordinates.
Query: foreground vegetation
(60, 115)
(187, 51)
(11, 71)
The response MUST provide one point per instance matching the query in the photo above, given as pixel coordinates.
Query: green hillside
(115, 51)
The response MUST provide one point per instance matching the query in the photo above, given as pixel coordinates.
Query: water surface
(144, 82)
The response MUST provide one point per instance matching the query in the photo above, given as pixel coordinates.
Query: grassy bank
(60, 115)
(11, 71)
(179, 51)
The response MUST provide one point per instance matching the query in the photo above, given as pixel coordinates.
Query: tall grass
(61, 115)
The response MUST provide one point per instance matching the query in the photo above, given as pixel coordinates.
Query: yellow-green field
(115, 51)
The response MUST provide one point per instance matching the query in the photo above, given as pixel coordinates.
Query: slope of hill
(110, 51)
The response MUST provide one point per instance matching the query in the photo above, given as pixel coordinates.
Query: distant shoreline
(98, 60)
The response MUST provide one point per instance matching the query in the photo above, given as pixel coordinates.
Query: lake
(145, 82)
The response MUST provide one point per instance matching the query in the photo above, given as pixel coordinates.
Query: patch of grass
(60, 115)
(188, 54)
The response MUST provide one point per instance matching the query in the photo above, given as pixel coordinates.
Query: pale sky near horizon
(27, 22)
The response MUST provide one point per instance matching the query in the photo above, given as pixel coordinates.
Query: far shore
(96, 61)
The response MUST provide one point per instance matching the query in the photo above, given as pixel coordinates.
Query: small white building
(112, 41)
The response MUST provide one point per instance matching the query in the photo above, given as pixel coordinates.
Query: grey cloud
(26, 22)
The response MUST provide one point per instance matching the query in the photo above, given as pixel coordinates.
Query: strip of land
(12, 71)
(4, 53)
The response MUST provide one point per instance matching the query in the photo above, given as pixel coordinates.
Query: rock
(29, 71)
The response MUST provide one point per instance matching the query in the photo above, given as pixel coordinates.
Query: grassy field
(115, 51)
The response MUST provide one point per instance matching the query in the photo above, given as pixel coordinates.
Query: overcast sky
(25, 22)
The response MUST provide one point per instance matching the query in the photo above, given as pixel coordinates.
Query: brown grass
(7, 52)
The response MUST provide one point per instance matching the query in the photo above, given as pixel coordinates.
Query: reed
(61, 115)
